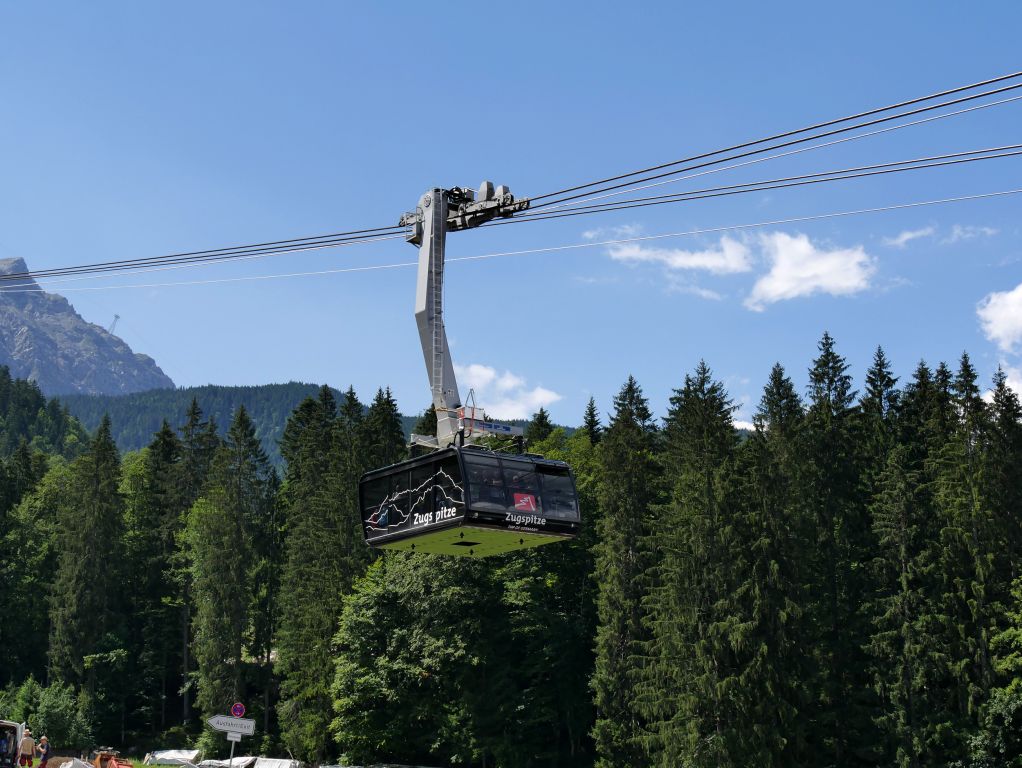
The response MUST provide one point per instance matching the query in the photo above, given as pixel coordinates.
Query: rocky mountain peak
(43, 338)
(12, 266)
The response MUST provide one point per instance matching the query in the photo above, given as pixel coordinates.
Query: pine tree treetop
(631, 406)
(591, 422)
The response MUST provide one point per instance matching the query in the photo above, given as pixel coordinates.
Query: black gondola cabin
(469, 501)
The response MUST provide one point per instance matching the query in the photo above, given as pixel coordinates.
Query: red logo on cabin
(525, 502)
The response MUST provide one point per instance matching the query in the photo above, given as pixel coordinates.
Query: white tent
(172, 757)
(276, 762)
(248, 761)
(251, 762)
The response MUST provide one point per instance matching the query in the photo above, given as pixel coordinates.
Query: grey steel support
(429, 314)
(440, 210)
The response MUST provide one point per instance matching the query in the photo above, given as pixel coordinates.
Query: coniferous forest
(838, 587)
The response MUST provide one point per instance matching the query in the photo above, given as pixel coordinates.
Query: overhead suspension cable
(551, 249)
(689, 167)
(258, 250)
(590, 197)
(880, 169)
(60, 279)
(1012, 150)
(241, 256)
(217, 255)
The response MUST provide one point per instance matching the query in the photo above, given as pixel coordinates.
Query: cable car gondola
(462, 499)
(469, 501)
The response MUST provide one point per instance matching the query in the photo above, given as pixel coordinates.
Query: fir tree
(382, 435)
(877, 412)
(907, 641)
(252, 487)
(916, 414)
(1003, 479)
(199, 443)
(842, 730)
(773, 580)
(591, 423)
(229, 534)
(426, 423)
(942, 417)
(86, 595)
(539, 427)
(692, 695)
(629, 490)
(968, 539)
(351, 460)
(87, 636)
(219, 550)
(321, 560)
(154, 519)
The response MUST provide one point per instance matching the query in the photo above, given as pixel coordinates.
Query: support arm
(440, 210)
(429, 314)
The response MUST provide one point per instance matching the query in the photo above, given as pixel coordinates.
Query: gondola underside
(471, 541)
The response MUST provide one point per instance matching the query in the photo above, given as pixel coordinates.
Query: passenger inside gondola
(491, 490)
(523, 487)
(558, 494)
(484, 484)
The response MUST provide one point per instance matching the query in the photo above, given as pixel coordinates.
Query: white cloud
(730, 257)
(621, 231)
(739, 424)
(503, 395)
(590, 280)
(1000, 314)
(968, 232)
(800, 268)
(675, 282)
(904, 238)
(679, 286)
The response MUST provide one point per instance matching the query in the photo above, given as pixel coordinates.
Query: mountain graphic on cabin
(389, 517)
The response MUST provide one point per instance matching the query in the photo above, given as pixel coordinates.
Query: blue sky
(138, 129)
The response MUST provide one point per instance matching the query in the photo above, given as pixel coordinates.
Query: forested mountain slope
(135, 418)
(26, 416)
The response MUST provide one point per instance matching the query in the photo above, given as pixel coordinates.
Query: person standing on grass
(44, 751)
(26, 750)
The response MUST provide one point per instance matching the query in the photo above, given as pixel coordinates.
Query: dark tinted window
(522, 486)
(559, 498)
(485, 485)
